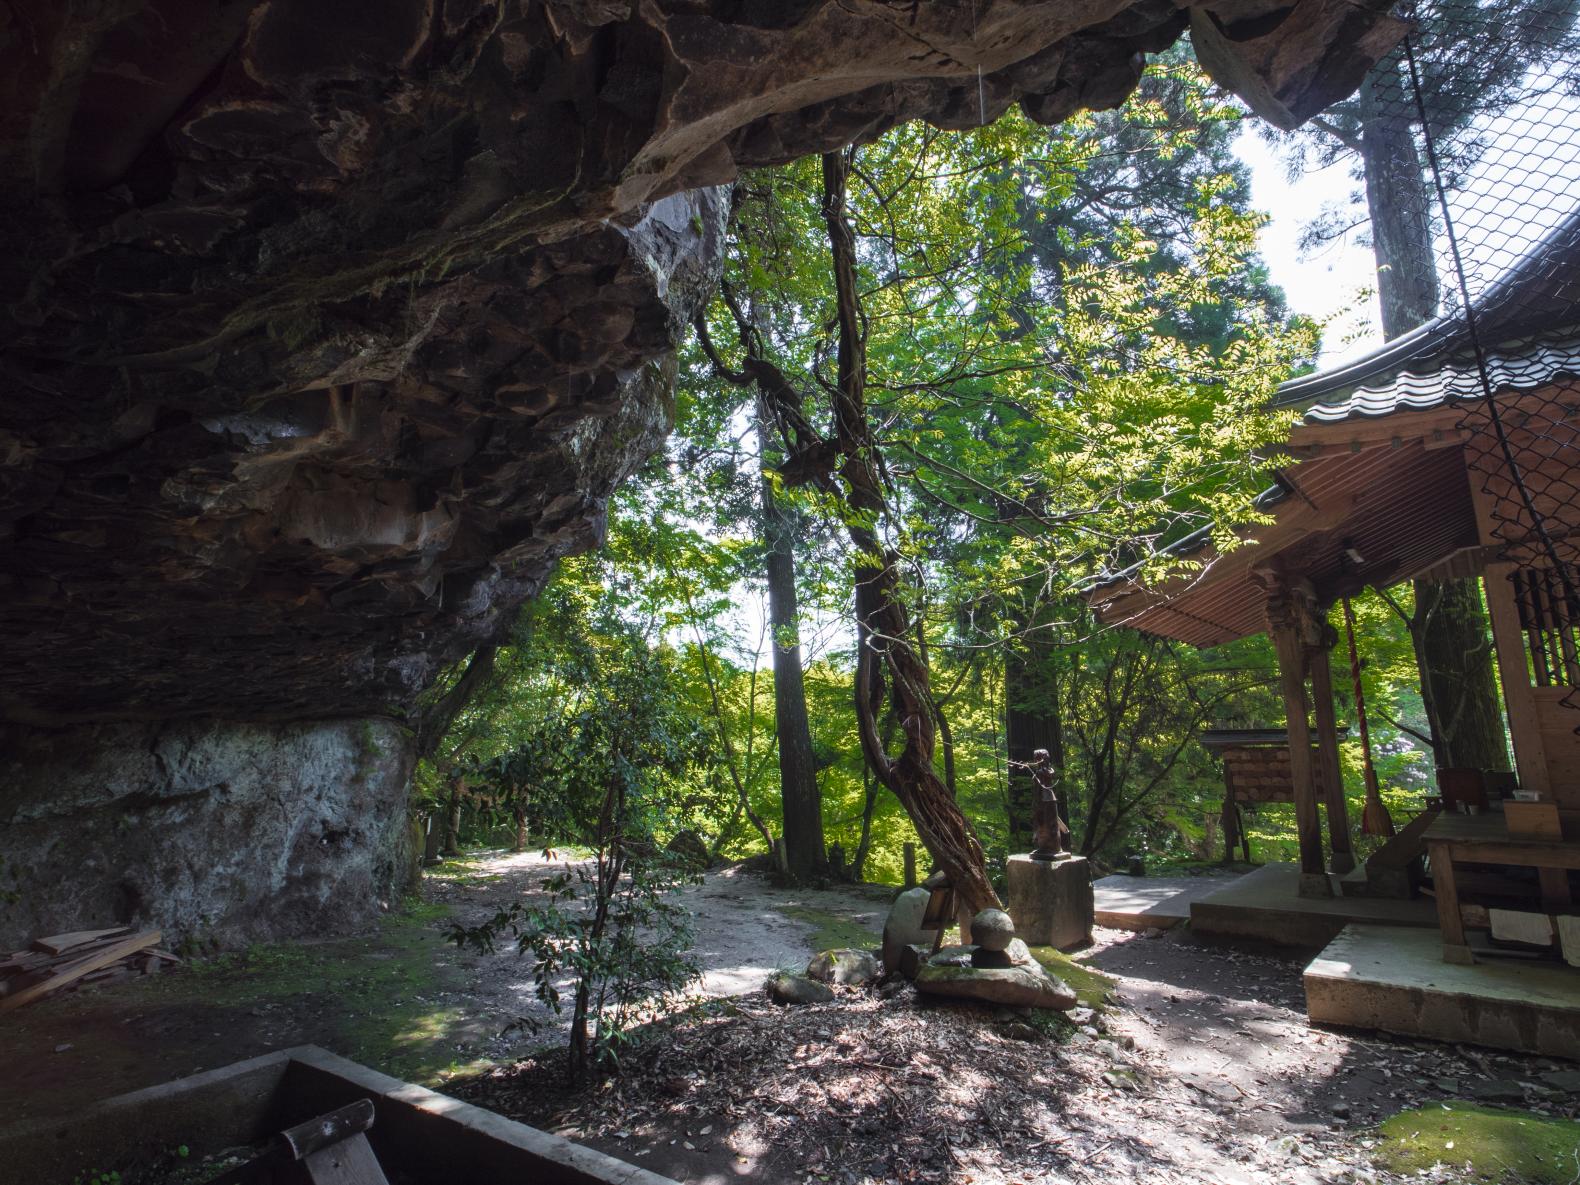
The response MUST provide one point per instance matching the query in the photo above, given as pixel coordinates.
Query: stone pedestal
(1051, 901)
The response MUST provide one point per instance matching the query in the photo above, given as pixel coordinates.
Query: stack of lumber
(78, 958)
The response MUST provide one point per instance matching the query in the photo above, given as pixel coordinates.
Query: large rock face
(325, 328)
(220, 833)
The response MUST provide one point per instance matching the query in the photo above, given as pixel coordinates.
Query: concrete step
(1365, 881)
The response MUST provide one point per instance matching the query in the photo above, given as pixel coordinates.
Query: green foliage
(605, 769)
(1071, 344)
(617, 934)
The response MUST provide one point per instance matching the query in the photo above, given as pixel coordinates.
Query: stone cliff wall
(223, 834)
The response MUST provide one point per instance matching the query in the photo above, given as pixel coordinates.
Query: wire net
(1469, 139)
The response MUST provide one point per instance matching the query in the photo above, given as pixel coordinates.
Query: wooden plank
(1530, 754)
(350, 1162)
(1455, 949)
(75, 971)
(59, 944)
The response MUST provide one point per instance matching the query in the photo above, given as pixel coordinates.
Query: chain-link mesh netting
(1469, 138)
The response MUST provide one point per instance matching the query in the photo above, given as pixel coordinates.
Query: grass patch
(1493, 1144)
(831, 930)
(375, 993)
(1092, 987)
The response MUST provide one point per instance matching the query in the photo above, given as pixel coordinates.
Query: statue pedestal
(1050, 901)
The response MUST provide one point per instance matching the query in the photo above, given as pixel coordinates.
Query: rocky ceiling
(328, 325)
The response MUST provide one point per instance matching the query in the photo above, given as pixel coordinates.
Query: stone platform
(1151, 902)
(1050, 900)
(1393, 978)
(1265, 906)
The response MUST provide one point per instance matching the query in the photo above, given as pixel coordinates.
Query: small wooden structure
(1256, 769)
(1405, 473)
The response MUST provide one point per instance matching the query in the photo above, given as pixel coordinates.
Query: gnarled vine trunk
(887, 663)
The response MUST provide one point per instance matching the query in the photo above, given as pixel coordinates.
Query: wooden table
(1485, 839)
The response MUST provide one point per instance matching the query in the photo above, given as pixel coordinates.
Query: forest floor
(1202, 1069)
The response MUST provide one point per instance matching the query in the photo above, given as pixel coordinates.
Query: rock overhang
(327, 329)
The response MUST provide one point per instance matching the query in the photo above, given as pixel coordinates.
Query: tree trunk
(1451, 638)
(1400, 205)
(1031, 722)
(452, 822)
(434, 721)
(887, 664)
(1454, 652)
(803, 804)
(869, 808)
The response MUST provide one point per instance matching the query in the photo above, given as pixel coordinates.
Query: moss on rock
(1091, 987)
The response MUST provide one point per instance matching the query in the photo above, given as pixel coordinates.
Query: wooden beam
(1283, 626)
(1328, 753)
(1438, 428)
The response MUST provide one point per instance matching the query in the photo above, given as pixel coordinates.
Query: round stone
(992, 929)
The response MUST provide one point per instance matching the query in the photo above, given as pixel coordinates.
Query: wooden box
(1537, 820)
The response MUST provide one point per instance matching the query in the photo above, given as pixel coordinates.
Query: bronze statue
(1049, 832)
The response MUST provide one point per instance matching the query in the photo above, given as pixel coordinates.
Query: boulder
(784, 988)
(843, 966)
(1016, 986)
(329, 329)
(993, 932)
(1017, 953)
(904, 926)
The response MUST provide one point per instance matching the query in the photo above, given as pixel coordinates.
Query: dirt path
(744, 929)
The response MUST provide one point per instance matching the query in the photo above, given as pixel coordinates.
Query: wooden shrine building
(1401, 468)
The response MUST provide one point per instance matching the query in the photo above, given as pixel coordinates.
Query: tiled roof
(1514, 366)
(1528, 320)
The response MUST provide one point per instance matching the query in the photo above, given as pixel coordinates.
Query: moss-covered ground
(385, 999)
(832, 930)
(1487, 1144)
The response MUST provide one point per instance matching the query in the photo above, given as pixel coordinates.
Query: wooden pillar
(1284, 627)
(1343, 859)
